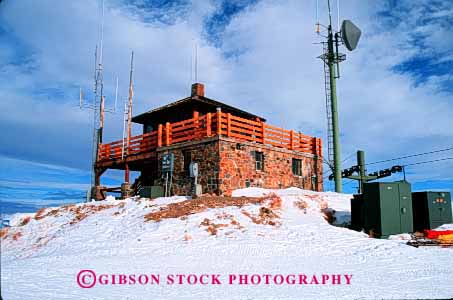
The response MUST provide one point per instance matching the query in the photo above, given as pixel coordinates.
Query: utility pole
(348, 35)
(331, 62)
(362, 169)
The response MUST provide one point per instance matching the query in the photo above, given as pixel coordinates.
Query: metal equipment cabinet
(387, 208)
(357, 212)
(431, 209)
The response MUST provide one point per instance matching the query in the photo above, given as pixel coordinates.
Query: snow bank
(290, 236)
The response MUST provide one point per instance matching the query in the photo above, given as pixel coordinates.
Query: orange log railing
(208, 125)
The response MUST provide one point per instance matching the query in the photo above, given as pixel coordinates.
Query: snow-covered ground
(112, 237)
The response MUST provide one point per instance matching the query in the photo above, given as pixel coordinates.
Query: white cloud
(267, 64)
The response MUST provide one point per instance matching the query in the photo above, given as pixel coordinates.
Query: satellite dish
(351, 34)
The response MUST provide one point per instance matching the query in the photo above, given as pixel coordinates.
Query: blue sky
(395, 94)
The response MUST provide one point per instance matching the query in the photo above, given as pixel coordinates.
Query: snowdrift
(258, 231)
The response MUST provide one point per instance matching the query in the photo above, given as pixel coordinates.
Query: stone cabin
(233, 148)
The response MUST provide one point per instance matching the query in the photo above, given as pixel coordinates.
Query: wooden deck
(143, 146)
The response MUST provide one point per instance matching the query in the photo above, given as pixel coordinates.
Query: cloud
(258, 55)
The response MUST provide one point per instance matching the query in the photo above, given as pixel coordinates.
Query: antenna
(191, 66)
(196, 62)
(129, 116)
(349, 34)
(102, 33)
(98, 104)
(116, 94)
(317, 17)
(124, 129)
(338, 15)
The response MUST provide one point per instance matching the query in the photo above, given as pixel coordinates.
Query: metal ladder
(328, 108)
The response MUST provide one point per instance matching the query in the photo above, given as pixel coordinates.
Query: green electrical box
(387, 208)
(431, 209)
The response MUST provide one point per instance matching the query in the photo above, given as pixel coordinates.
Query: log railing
(211, 124)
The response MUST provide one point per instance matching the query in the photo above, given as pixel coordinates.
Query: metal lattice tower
(330, 156)
(97, 102)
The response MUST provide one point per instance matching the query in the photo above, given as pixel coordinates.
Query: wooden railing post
(263, 131)
(318, 147)
(99, 152)
(196, 124)
(167, 134)
(315, 146)
(228, 124)
(291, 140)
(219, 121)
(208, 124)
(159, 135)
(301, 141)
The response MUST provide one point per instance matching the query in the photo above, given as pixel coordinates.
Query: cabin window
(259, 161)
(187, 157)
(297, 167)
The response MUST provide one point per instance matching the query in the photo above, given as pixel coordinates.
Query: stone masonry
(226, 164)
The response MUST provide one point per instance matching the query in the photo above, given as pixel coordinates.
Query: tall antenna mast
(338, 15)
(196, 62)
(129, 116)
(98, 104)
(99, 100)
(349, 34)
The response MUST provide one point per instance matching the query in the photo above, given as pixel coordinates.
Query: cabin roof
(193, 101)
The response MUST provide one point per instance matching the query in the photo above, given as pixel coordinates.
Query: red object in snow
(434, 234)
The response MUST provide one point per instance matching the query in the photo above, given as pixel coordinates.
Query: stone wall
(205, 153)
(238, 168)
(226, 164)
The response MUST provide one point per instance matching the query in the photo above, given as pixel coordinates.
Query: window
(187, 157)
(259, 161)
(297, 167)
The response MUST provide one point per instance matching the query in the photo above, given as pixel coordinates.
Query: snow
(115, 239)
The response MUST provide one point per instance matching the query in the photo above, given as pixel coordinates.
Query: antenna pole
(191, 66)
(116, 95)
(98, 104)
(196, 62)
(101, 118)
(124, 130)
(129, 116)
(338, 15)
(334, 108)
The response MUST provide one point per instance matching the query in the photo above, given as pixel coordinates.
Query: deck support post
(126, 172)
(219, 121)
(208, 124)
(196, 124)
(159, 136)
(167, 134)
(228, 124)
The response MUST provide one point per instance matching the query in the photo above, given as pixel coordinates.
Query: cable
(348, 182)
(429, 161)
(413, 155)
(348, 157)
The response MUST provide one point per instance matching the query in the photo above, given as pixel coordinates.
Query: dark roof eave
(140, 118)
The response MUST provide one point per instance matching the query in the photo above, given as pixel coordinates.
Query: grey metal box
(387, 208)
(431, 209)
